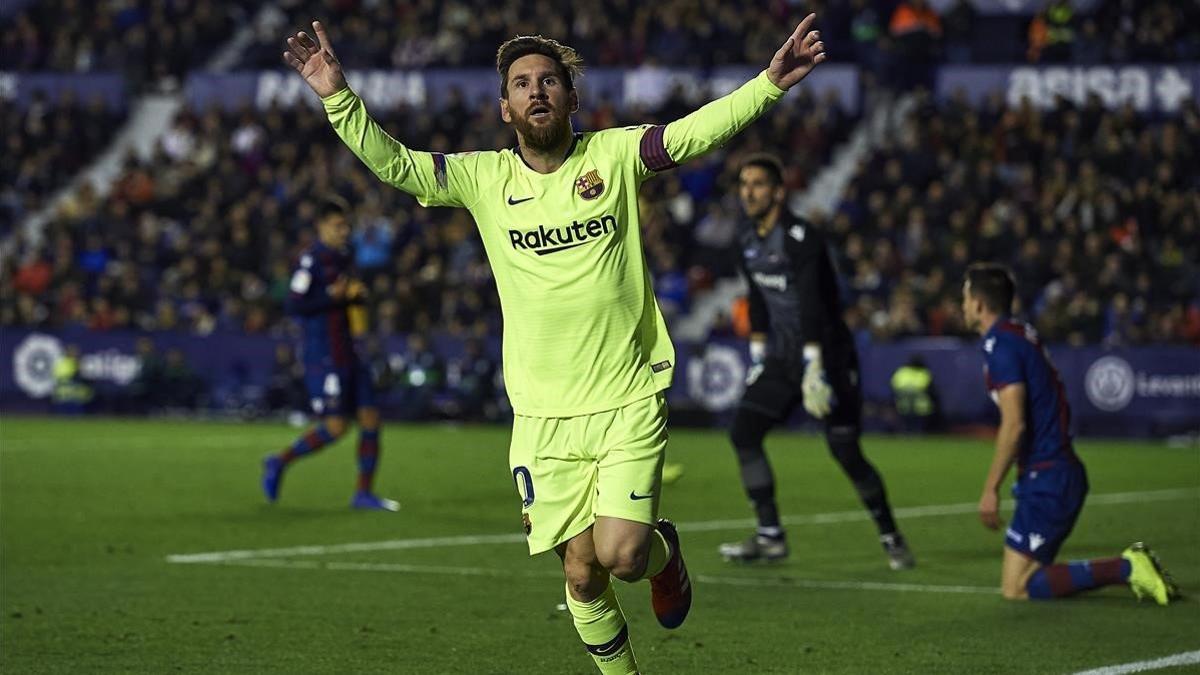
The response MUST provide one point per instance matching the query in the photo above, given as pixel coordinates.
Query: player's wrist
(773, 81)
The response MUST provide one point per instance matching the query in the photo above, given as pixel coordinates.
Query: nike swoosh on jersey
(635, 496)
(514, 202)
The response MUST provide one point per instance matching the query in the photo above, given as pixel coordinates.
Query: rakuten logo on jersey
(553, 239)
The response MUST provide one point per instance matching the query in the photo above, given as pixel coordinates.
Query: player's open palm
(802, 51)
(315, 61)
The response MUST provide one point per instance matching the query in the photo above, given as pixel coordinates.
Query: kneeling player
(1051, 481)
(323, 294)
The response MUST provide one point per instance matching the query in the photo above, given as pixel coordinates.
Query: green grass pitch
(91, 510)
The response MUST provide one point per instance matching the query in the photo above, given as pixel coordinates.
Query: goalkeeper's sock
(601, 626)
(307, 444)
(866, 479)
(1065, 579)
(368, 458)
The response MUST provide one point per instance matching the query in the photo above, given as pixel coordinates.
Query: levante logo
(555, 238)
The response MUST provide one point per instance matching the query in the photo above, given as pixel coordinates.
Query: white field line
(1181, 659)
(703, 526)
(774, 582)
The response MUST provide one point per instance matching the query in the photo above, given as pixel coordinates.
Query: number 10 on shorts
(524, 481)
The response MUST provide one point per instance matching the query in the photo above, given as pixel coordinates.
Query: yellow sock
(660, 553)
(602, 628)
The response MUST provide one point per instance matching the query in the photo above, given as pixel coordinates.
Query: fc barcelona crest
(590, 185)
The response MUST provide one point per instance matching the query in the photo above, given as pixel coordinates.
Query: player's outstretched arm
(716, 122)
(428, 177)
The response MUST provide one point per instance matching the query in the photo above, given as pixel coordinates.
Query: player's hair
(570, 64)
(993, 284)
(332, 205)
(767, 162)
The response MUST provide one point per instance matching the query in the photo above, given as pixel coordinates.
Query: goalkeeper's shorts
(569, 470)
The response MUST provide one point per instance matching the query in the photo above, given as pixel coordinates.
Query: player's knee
(847, 452)
(626, 562)
(368, 418)
(747, 433)
(336, 426)
(586, 578)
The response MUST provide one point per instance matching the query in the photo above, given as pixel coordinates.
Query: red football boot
(671, 589)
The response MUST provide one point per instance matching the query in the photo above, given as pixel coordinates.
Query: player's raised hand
(315, 61)
(802, 51)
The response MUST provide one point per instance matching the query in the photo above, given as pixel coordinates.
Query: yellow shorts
(568, 470)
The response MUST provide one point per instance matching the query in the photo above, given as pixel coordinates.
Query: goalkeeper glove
(818, 395)
(758, 353)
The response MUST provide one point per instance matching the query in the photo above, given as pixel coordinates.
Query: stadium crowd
(45, 144)
(1097, 212)
(145, 40)
(200, 237)
(151, 39)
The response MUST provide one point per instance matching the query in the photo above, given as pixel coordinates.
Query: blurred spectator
(915, 397)
(471, 379)
(959, 24)
(182, 387)
(285, 390)
(917, 30)
(1052, 33)
(422, 375)
(71, 393)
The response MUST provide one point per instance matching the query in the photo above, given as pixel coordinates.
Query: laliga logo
(33, 364)
(715, 380)
(1109, 383)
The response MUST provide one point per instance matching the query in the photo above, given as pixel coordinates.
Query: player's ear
(573, 101)
(505, 113)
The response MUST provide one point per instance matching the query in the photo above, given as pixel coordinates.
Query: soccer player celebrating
(801, 352)
(325, 296)
(1051, 481)
(586, 350)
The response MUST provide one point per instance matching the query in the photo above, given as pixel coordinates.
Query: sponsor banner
(1020, 7)
(386, 89)
(1149, 391)
(1147, 88)
(20, 89)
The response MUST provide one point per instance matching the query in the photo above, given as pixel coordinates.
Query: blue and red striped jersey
(1014, 354)
(327, 342)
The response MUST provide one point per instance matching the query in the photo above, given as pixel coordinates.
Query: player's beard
(544, 137)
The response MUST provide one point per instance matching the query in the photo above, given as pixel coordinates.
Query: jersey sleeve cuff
(768, 88)
(339, 100)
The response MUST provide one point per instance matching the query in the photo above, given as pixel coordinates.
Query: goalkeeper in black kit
(802, 352)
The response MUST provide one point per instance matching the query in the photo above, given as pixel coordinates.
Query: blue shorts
(339, 391)
(1048, 504)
